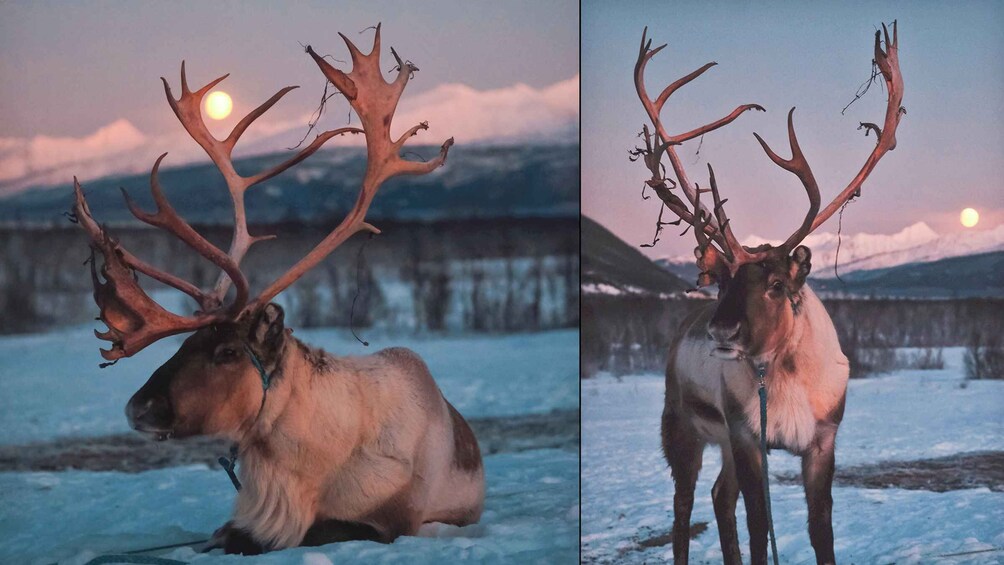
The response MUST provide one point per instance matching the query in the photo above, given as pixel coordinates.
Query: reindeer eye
(777, 286)
(225, 355)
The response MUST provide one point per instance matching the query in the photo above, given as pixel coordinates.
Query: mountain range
(512, 115)
(477, 182)
(874, 253)
(916, 262)
(979, 275)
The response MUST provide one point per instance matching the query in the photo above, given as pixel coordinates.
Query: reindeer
(332, 448)
(766, 323)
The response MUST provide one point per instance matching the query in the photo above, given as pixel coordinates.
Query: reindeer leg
(817, 474)
(749, 472)
(683, 450)
(725, 494)
(231, 540)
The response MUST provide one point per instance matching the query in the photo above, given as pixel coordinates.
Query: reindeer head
(757, 306)
(212, 384)
(759, 289)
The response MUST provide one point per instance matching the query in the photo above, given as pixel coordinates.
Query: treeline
(471, 275)
(625, 335)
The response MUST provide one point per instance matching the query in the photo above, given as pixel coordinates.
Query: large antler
(887, 61)
(712, 229)
(374, 100)
(133, 319)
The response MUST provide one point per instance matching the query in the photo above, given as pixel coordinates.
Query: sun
(969, 217)
(219, 105)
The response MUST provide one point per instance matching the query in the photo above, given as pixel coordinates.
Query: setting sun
(219, 105)
(969, 217)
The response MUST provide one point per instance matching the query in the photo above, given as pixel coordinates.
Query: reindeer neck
(298, 365)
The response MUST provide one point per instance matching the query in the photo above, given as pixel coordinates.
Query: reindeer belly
(363, 486)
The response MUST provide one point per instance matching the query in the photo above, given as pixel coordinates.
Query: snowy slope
(612, 267)
(915, 244)
(628, 493)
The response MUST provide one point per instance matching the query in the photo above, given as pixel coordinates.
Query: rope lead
(761, 373)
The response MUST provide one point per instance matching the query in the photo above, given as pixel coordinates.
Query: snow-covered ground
(52, 388)
(627, 490)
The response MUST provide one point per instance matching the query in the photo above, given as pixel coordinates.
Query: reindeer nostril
(735, 332)
(153, 412)
(723, 334)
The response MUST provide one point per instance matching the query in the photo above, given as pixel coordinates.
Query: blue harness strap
(761, 374)
(230, 463)
(265, 377)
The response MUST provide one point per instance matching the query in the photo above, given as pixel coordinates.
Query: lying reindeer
(331, 448)
(766, 323)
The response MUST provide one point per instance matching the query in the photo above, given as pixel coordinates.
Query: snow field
(627, 490)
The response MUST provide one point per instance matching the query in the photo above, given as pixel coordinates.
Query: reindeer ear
(799, 265)
(267, 328)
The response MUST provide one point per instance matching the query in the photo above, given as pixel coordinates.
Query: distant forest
(631, 334)
(501, 275)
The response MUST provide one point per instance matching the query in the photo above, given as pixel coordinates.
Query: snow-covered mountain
(917, 243)
(508, 116)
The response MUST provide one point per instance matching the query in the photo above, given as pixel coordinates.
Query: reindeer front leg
(749, 471)
(725, 494)
(233, 540)
(817, 474)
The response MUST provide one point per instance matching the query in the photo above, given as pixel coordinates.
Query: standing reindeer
(766, 322)
(333, 448)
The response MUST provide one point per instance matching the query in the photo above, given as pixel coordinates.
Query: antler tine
(354, 52)
(732, 249)
(800, 168)
(673, 87)
(374, 101)
(712, 261)
(307, 151)
(253, 115)
(168, 219)
(887, 61)
(698, 132)
(97, 234)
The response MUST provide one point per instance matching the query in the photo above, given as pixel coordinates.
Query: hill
(611, 266)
